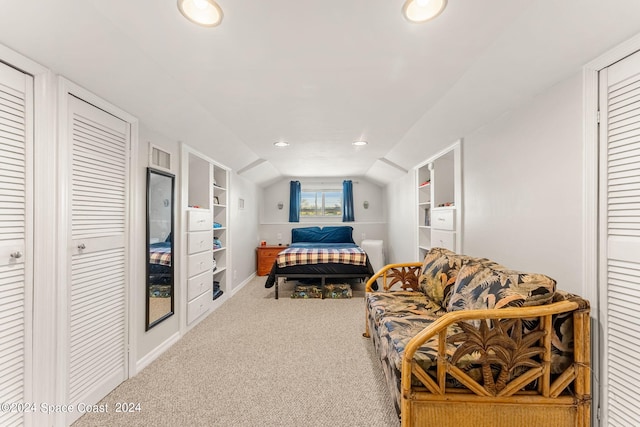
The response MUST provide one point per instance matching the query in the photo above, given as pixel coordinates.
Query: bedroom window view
(321, 203)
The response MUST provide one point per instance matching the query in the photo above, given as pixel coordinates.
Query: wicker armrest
(495, 337)
(405, 274)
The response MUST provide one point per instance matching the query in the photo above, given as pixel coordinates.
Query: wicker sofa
(467, 342)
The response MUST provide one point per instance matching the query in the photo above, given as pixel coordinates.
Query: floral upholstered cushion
(396, 332)
(479, 286)
(400, 304)
(439, 272)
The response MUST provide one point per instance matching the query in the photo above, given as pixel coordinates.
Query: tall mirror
(160, 249)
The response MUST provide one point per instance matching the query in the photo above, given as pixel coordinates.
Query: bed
(160, 263)
(320, 253)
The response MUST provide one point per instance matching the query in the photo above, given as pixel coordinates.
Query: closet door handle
(82, 246)
(16, 255)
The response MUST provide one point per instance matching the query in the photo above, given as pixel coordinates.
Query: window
(327, 203)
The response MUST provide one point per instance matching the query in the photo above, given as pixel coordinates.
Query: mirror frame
(148, 324)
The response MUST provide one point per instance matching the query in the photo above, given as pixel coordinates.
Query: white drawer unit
(199, 220)
(199, 241)
(443, 239)
(198, 306)
(199, 263)
(443, 218)
(199, 284)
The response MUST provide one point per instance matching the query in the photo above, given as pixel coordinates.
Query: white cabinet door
(620, 238)
(98, 199)
(16, 106)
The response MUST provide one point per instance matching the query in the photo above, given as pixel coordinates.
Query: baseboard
(241, 285)
(156, 352)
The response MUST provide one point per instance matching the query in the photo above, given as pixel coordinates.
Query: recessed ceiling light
(202, 12)
(419, 11)
(281, 144)
(359, 143)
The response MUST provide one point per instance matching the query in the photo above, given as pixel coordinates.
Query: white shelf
(200, 173)
(444, 186)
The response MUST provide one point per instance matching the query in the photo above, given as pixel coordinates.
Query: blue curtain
(295, 198)
(347, 201)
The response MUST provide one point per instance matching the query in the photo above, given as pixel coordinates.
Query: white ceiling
(317, 74)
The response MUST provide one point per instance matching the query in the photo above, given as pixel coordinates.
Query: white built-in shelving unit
(205, 200)
(439, 201)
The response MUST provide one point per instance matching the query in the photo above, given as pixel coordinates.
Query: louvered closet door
(15, 236)
(98, 205)
(620, 237)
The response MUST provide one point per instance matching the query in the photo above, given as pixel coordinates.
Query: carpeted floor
(257, 361)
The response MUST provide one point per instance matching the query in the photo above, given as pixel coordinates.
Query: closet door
(97, 353)
(620, 239)
(16, 106)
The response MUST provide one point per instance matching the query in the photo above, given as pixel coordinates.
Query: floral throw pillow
(438, 273)
(440, 270)
(479, 286)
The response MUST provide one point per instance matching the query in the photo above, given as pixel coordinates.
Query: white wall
(148, 342)
(244, 228)
(522, 190)
(522, 186)
(402, 213)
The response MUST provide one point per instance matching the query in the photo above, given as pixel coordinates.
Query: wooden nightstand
(266, 257)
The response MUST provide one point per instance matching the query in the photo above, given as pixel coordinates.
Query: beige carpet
(260, 362)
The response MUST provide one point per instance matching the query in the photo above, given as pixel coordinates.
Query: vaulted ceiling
(316, 74)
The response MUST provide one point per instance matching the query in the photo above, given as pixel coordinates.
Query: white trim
(235, 290)
(45, 243)
(62, 296)
(591, 264)
(156, 352)
(29, 242)
(135, 246)
(180, 269)
(590, 227)
(24, 64)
